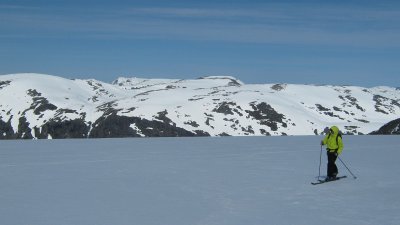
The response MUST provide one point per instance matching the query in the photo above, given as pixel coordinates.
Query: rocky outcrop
(266, 115)
(122, 126)
(6, 130)
(393, 127)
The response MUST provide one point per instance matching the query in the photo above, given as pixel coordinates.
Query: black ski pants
(332, 169)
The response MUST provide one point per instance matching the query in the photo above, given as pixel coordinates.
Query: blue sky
(309, 42)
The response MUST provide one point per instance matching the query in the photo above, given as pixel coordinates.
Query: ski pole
(320, 156)
(347, 168)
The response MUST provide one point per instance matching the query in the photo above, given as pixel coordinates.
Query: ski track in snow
(201, 181)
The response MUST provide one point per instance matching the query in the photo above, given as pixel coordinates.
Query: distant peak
(121, 80)
(232, 80)
(279, 87)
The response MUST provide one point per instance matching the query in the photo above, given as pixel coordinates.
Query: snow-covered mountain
(45, 106)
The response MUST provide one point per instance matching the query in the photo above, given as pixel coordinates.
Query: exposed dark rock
(6, 130)
(351, 101)
(249, 129)
(63, 129)
(264, 132)
(40, 104)
(379, 103)
(129, 110)
(98, 88)
(120, 126)
(148, 92)
(192, 123)
(393, 127)
(4, 84)
(94, 99)
(201, 133)
(60, 112)
(362, 120)
(209, 115)
(208, 122)
(195, 99)
(337, 109)
(233, 83)
(349, 130)
(229, 120)
(33, 93)
(395, 102)
(331, 114)
(321, 108)
(234, 127)
(113, 126)
(224, 108)
(108, 108)
(163, 117)
(228, 108)
(24, 132)
(278, 87)
(43, 106)
(266, 115)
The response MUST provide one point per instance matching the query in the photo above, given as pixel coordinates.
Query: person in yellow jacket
(334, 146)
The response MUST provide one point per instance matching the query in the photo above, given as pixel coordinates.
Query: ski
(326, 181)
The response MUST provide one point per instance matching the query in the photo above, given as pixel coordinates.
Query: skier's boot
(329, 178)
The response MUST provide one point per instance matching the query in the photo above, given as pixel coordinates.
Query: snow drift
(197, 181)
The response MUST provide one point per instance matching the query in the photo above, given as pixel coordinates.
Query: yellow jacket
(332, 141)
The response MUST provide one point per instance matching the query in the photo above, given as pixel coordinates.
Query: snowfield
(197, 181)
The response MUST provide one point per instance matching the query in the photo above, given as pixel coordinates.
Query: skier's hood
(335, 130)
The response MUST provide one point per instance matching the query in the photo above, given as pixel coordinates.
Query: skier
(333, 141)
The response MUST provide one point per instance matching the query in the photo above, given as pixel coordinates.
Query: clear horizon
(331, 42)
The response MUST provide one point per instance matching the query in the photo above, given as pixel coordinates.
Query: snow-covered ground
(199, 181)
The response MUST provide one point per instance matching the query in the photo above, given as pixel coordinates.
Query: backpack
(337, 137)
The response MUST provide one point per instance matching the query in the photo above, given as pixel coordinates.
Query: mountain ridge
(46, 106)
